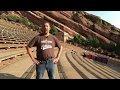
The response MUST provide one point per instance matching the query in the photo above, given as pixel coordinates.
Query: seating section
(74, 63)
(75, 66)
(13, 36)
(15, 33)
(95, 57)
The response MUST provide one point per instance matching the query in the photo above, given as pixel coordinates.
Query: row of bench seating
(16, 34)
(13, 36)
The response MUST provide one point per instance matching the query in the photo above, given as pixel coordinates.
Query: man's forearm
(30, 53)
(59, 52)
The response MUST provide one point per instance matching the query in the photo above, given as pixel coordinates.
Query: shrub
(79, 40)
(110, 47)
(13, 18)
(117, 49)
(23, 21)
(36, 27)
(92, 41)
(53, 30)
(31, 25)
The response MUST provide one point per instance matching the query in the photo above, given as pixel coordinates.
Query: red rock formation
(71, 23)
(74, 25)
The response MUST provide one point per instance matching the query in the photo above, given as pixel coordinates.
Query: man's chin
(45, 33)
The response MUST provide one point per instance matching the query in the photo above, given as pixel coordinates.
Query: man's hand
(55, 60)
(58, 55)
(35, 61)
(29, 50)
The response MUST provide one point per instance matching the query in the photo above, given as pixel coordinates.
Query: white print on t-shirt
(45, 44)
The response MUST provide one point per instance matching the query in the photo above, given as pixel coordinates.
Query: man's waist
(44, 59)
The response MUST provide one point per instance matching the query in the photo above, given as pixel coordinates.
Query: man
(46, 59)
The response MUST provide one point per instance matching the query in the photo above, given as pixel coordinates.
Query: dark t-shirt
(45, 46)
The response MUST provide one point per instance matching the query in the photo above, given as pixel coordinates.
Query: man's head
(46, 27)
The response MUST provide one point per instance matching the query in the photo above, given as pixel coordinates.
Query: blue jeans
(49, 66)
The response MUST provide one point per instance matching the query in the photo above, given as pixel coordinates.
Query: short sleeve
(32, 43)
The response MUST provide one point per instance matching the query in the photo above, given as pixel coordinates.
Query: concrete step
(98, 68)
(82, 71)
(68, 70)
(107, 69)
(16, 70)
(88, 68)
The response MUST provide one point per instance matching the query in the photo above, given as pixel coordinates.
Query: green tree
(23, 21)
(117, 49)
(79, 40)
(53, 30)
(13, 18)
(36, 27)
(93, 41)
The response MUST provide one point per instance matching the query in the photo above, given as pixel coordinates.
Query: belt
(45, 59)
(48, 58)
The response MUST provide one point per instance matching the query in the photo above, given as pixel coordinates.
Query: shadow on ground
(7, 76)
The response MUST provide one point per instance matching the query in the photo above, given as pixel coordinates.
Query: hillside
(73, 23)
(91, 46)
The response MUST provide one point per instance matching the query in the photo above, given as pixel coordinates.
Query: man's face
(46, 28)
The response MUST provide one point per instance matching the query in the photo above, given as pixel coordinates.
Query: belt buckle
(49, 58)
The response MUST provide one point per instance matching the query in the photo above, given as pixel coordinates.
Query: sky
(113, 17)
